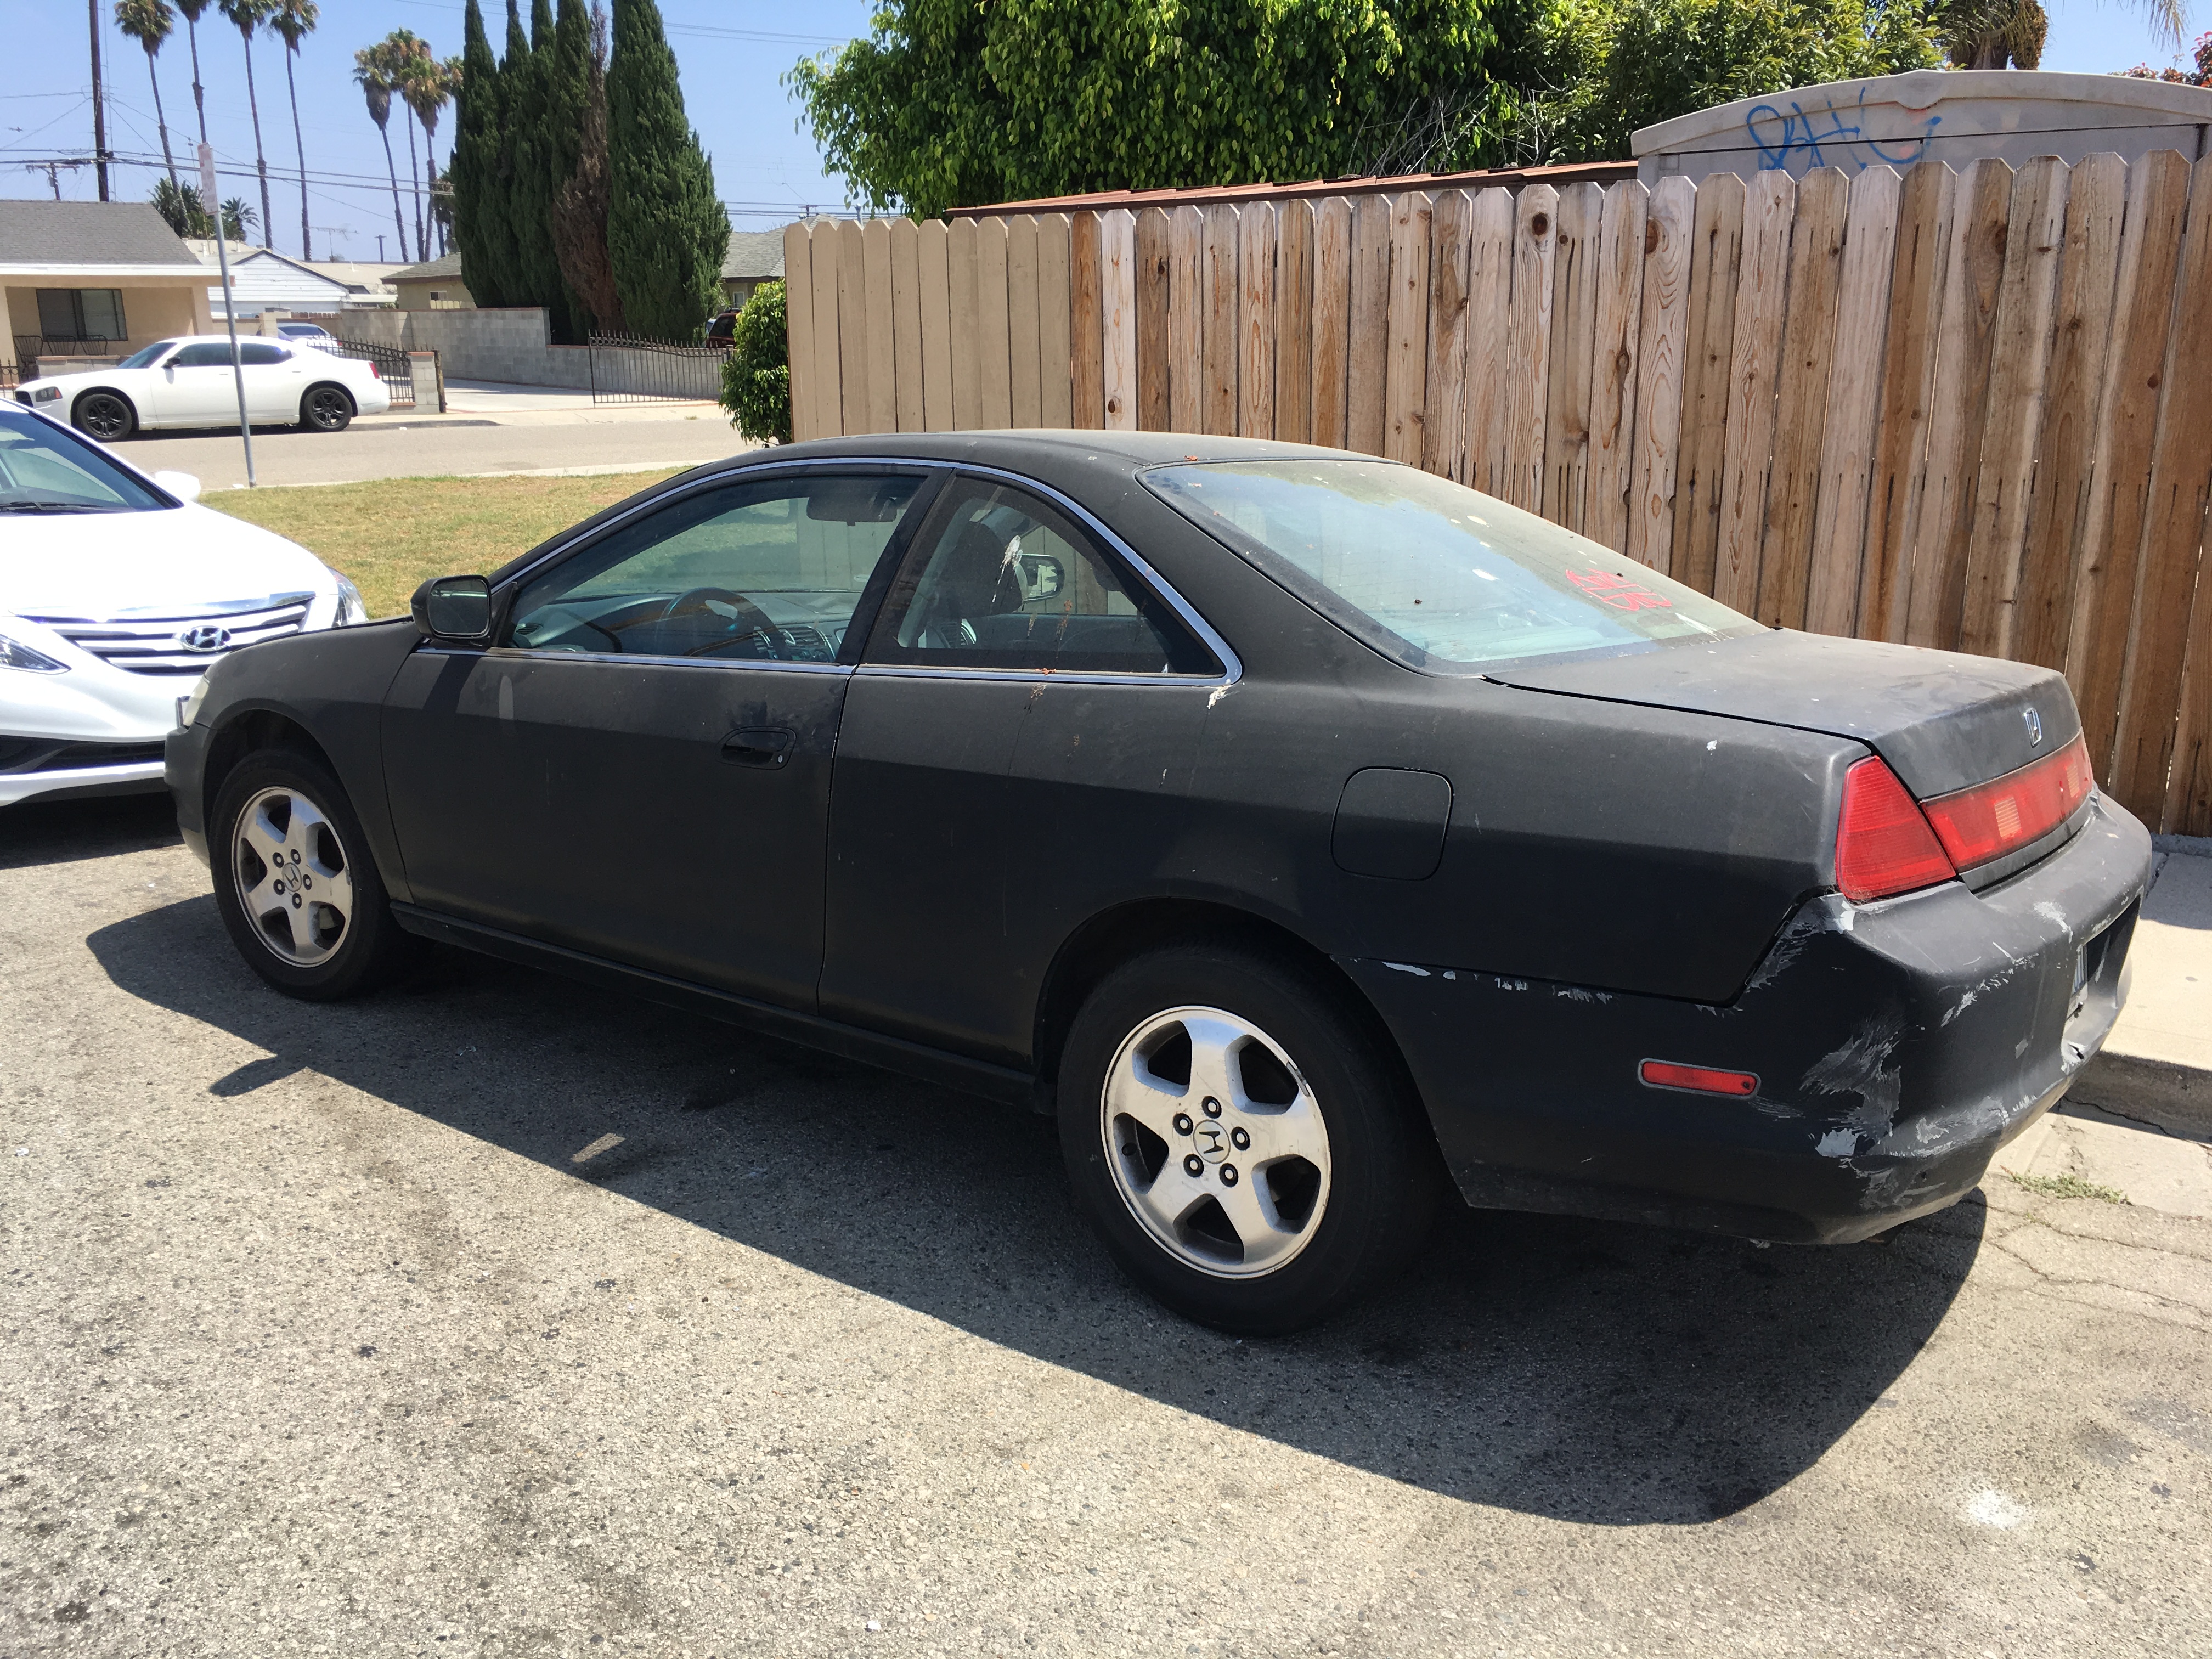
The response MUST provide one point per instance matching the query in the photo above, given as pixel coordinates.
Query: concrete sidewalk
(2136, 1128)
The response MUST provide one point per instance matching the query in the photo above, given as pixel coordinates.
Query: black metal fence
(393, 367)
(627, 368)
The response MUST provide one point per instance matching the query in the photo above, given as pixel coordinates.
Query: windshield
(1432, 573)
(146, 356)
(45, 468)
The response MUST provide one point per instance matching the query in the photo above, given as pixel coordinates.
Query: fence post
(425, 365)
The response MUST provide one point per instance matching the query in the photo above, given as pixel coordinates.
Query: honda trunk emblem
(205, 639)
(2034, 726)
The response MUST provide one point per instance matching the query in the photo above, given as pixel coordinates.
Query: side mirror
(183, 485)
(457, 607)
(1041, 575)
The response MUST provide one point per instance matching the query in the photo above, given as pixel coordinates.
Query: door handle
(759, 747)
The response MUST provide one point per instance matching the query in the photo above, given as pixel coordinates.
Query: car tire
(105, 415)
(1340, 1178)
(326, 408)
(323, 929)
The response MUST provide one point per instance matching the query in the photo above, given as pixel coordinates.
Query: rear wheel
(1243, 1149)
(294, 883)
(106, 415)
(326, 408)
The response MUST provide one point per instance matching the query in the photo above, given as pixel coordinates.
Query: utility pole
(99, 104)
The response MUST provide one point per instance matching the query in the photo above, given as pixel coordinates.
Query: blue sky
(731, 54)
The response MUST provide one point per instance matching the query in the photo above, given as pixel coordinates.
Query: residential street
(485, 429)
(499, 1316)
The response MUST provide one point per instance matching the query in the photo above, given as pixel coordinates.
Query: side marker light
(1698, 1080)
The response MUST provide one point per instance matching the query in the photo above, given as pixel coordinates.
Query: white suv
(189, 382)
(117, 590)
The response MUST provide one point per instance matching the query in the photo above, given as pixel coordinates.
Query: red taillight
(374, 372)
(1991, 819)
(1883, 844)
(1701, 1079)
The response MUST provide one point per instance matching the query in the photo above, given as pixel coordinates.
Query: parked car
(189, 382)
(1298, 826)
(117, 590)
(308, 334)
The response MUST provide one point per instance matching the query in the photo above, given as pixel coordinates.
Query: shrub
(757, 375)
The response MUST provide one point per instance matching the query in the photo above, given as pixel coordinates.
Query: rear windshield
(1432, 574)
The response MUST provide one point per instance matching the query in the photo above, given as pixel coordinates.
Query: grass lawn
(391, 535)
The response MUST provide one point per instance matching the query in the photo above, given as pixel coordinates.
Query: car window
(44, 467)
(1432, 574)
(1001, 579)
(260, 352)
(769, 570)
(205, 353)
(146, 356)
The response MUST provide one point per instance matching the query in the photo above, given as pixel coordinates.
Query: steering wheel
(749, 619)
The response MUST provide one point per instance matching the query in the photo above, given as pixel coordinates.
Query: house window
(82, 313)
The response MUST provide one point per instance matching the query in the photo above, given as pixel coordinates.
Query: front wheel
(1243, 1148)
(326, 408)
(106, 415)
(294, 884)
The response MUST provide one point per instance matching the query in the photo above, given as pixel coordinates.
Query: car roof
(1068, 457)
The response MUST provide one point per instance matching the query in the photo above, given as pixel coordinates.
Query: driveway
(499, 1316)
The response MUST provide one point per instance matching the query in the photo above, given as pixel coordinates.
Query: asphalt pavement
(497, 1317)
(485, 429)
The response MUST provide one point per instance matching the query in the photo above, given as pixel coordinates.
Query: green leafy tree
(293, 21)
(1621, 64)
(428, 87)
(149, 23)
(668, 235)
(949, 104)
(480, 227)
(181, 209)
(757, 375)
(526, 78)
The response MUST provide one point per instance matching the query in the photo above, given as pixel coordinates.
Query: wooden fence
(1968, 409)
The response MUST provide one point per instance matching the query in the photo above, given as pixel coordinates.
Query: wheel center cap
(1209, 1142)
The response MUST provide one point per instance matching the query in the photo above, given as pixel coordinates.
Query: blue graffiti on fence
(1801, 135)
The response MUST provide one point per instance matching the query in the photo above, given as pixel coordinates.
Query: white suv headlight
(351, 607)
(14, 654)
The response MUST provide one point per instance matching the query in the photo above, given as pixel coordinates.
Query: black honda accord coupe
(1308, 833)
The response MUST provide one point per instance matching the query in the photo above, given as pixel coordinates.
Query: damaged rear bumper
(1897, 1045)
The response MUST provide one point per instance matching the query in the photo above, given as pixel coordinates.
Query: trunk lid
(1942, 720)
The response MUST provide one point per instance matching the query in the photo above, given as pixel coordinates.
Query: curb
(2177, 1099)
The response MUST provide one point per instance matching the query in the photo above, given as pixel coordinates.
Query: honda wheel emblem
(205, 639)
(2034, 726)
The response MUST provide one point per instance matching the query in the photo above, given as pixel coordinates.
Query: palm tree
(428, 89)
(368, 72)
(249, 16)
(1994, 34)
(149, 23)
(294, 20)
(191, 9)
(238, 221)
(403, 53)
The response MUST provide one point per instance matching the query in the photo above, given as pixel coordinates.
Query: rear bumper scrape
(1898, 1046)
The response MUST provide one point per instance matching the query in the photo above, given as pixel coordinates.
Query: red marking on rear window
(1621, 592)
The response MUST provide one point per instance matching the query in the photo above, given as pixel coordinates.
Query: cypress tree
(667, 231)
(480, 223)
(523, 78)
(578, 169)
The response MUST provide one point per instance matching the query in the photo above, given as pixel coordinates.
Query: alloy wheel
(1215, 1142)
(292, 877)
(328, 410)
(104, 415)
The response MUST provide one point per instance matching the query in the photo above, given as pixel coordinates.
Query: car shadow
(34, 832)
(1584, 1370)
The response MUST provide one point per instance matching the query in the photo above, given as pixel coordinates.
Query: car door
(638, 767)
(1014, 757)
(274, 380)
(194, 387)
